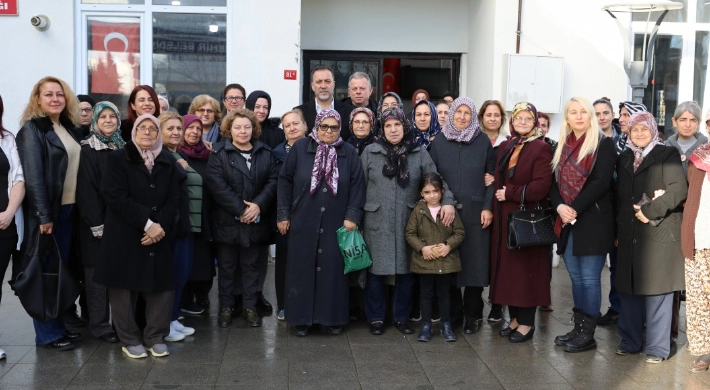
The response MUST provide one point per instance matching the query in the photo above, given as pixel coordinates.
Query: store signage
(8, 7)
(289, 75)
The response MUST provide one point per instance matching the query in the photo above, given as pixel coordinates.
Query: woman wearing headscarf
(419, 95)
(583, 173)
(463, 158)
(387, 100)
(321, 188)
(142, 196)
(194, 155)
(393, 166)
(626, 109)
(520, 278)
(362, 123)
(48, 146)
(104, 138)
(651, 189)
(695, 243)
(426, 122)
(241, 178)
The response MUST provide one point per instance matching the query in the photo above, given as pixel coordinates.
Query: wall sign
(8, 7)
(289, 75)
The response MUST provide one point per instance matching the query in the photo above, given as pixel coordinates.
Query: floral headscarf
(325, 165)
(360, 143)
(517, 141)
(423, 137)
(470, 132)
(631, 108)
(149, 155)
(378, 114)
(396, 162)
(97, 140)
(646, 119)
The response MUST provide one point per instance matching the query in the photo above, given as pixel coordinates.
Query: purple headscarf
(325, 165)
(470, 132)
(646, 119)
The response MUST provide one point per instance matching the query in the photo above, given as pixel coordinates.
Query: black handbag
(45, 293)
(532, 227)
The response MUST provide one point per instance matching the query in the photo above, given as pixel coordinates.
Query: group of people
(154, 199)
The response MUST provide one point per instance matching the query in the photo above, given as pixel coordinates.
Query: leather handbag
(531, 227)
(45, 286)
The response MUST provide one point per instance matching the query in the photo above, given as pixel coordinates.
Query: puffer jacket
(230, 183)
(422, 230)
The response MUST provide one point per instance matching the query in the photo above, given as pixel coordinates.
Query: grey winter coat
(388, 207)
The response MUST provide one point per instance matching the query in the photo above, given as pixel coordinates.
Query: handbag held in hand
(531, 227)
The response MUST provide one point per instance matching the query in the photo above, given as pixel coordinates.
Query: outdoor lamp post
(638, 71)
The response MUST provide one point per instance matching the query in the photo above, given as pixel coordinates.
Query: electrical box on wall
(534, 79)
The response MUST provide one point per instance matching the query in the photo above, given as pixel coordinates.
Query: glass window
(209, 3)
(679, 15)
(703, 11)
(700, 72)
(189, 56)
(113, 58)
(114, 2)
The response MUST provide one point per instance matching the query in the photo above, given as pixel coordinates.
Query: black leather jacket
(230, 183)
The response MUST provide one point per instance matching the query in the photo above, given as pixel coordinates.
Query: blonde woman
(583, 173)
(207, 108)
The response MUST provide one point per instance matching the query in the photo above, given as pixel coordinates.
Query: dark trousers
(63, 231)
(524, 315)
(263, 262)
(158, 307)
(375, 305)
(675, 315)
(428, 285)
(614, 299)
(183, 250)
(7, 248)
(196, 289)
(97, 304)
(235, 261)
(470, 305)
(280, 269)
(655, 311)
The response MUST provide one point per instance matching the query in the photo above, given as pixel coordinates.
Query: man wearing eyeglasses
(323, 86)
(86, 106)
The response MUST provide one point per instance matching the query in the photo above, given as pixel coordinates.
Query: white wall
(391, 26)
(30, 55)
(264, 40)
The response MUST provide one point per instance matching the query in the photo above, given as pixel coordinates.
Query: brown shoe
(251, 317)
(699, 366)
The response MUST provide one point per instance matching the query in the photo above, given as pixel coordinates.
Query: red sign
(8, 7)
(289, 75)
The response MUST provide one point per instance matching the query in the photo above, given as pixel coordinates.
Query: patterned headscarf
(423, 137)
(149, 155)
(646, 119)
(360, 143)
(632, 108)
(325, 165)
(396, 161)
(378, 114)
(198, 151)
(517, 141)
(97, 140)
(471, 131)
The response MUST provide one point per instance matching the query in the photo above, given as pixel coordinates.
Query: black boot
(585, 338)
(577, 319)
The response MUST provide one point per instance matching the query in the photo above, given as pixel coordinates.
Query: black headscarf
(253, 97)
(396, 162)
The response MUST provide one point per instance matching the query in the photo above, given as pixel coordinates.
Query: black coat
(594, 229)
(316, 288)
(44, 162)
(309, 112)
(650, 260)
(134, 195)
(230, 183)
(271, 133)
(90, 203)
(371, 104)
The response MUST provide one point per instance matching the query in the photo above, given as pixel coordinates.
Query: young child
(435, 257)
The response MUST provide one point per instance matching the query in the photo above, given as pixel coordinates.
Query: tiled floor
(271, 357)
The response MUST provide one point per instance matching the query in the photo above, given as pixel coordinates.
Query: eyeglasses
(520, 119)
(85, 110)
(333, 129)
(204, 111)
(358, 123)
(151, 129)
(234, 98)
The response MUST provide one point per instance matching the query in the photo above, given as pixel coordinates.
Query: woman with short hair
(207, 108)
(361, 127)
(686, 119)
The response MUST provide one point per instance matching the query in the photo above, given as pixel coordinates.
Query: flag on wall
(390, 75)
(114, 57)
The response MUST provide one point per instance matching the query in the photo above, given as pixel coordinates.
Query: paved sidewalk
(271, 357)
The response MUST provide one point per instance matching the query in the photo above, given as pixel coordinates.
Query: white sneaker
(2, 354)
(186, 330)
(174, 335)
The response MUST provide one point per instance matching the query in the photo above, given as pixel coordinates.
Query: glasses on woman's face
(150, 129)
(203, 111)
(521, 119)
(360, 123)
(234, 99)
(331, 128)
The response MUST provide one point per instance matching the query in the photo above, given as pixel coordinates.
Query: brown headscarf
(417, 92)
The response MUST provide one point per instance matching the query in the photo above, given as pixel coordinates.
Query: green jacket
(422, 230)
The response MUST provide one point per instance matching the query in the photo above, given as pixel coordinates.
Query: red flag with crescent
(114, 57)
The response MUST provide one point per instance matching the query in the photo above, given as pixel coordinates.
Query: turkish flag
(114, 57)
(390, 75)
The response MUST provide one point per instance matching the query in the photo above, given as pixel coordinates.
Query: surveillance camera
(40, 22)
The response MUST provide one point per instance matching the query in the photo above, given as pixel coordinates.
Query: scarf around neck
(97, 140)
(199, 151)
(470, 132)
(572, 174)
(396, 155)
(517, 141)
(149, 155)
(643, 118)
(701, 158)
(423, 138)
(361, 143)
(325, 165)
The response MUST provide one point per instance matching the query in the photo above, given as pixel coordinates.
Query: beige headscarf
(148, 155)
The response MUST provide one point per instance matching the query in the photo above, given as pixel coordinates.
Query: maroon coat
(521, 277)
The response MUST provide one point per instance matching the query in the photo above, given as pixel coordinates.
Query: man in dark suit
(360, 92)
(323, 85)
